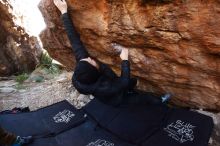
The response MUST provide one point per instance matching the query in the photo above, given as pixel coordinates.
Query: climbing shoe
(20, 141)
(166, 98)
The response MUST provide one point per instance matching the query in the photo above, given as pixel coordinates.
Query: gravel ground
(37, 95)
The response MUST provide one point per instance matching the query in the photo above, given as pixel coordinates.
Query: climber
(8, 139)
(93, 77)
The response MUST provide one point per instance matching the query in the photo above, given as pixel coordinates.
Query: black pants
(140, 98)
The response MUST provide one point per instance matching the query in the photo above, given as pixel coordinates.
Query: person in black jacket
(96, 78)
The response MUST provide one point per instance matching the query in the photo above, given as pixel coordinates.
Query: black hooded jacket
(109, 88)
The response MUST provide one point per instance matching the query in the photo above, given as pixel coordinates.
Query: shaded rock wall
(19, 52)
(174, 46)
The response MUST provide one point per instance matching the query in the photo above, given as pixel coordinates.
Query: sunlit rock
(19, 52)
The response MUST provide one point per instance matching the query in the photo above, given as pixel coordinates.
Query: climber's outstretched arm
(74, 37)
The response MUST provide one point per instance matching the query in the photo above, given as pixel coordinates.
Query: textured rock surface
(174, 46)
(19, 52)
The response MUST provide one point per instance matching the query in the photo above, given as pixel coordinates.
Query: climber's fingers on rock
(56, 2)
(61, 5)
(59, 2)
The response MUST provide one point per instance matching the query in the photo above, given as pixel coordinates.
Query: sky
(30, 16)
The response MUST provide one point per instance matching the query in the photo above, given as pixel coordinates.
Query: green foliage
(46, 62)
(20, 86)
(38, 79)
(21, 78)
(53, 69)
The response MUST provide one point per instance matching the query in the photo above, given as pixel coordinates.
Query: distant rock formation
(174, 45)
(19, 52)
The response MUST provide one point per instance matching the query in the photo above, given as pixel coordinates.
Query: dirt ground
(36, 95)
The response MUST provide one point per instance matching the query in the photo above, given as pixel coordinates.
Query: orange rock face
(174, 46)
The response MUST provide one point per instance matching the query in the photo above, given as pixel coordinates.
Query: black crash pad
(98, 124)
(130, 123)
(183, 128)
(45, 121)
(60, 124)
(153, 125)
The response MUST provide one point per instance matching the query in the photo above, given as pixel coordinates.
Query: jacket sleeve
(125, 69)
(74, 37)
(119, 85)
(111, 88)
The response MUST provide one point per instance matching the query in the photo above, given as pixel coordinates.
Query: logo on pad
(63, 117)
(180, 131)
(100, 142)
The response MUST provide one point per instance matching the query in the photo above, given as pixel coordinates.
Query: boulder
(19, 52)
(174, 44)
